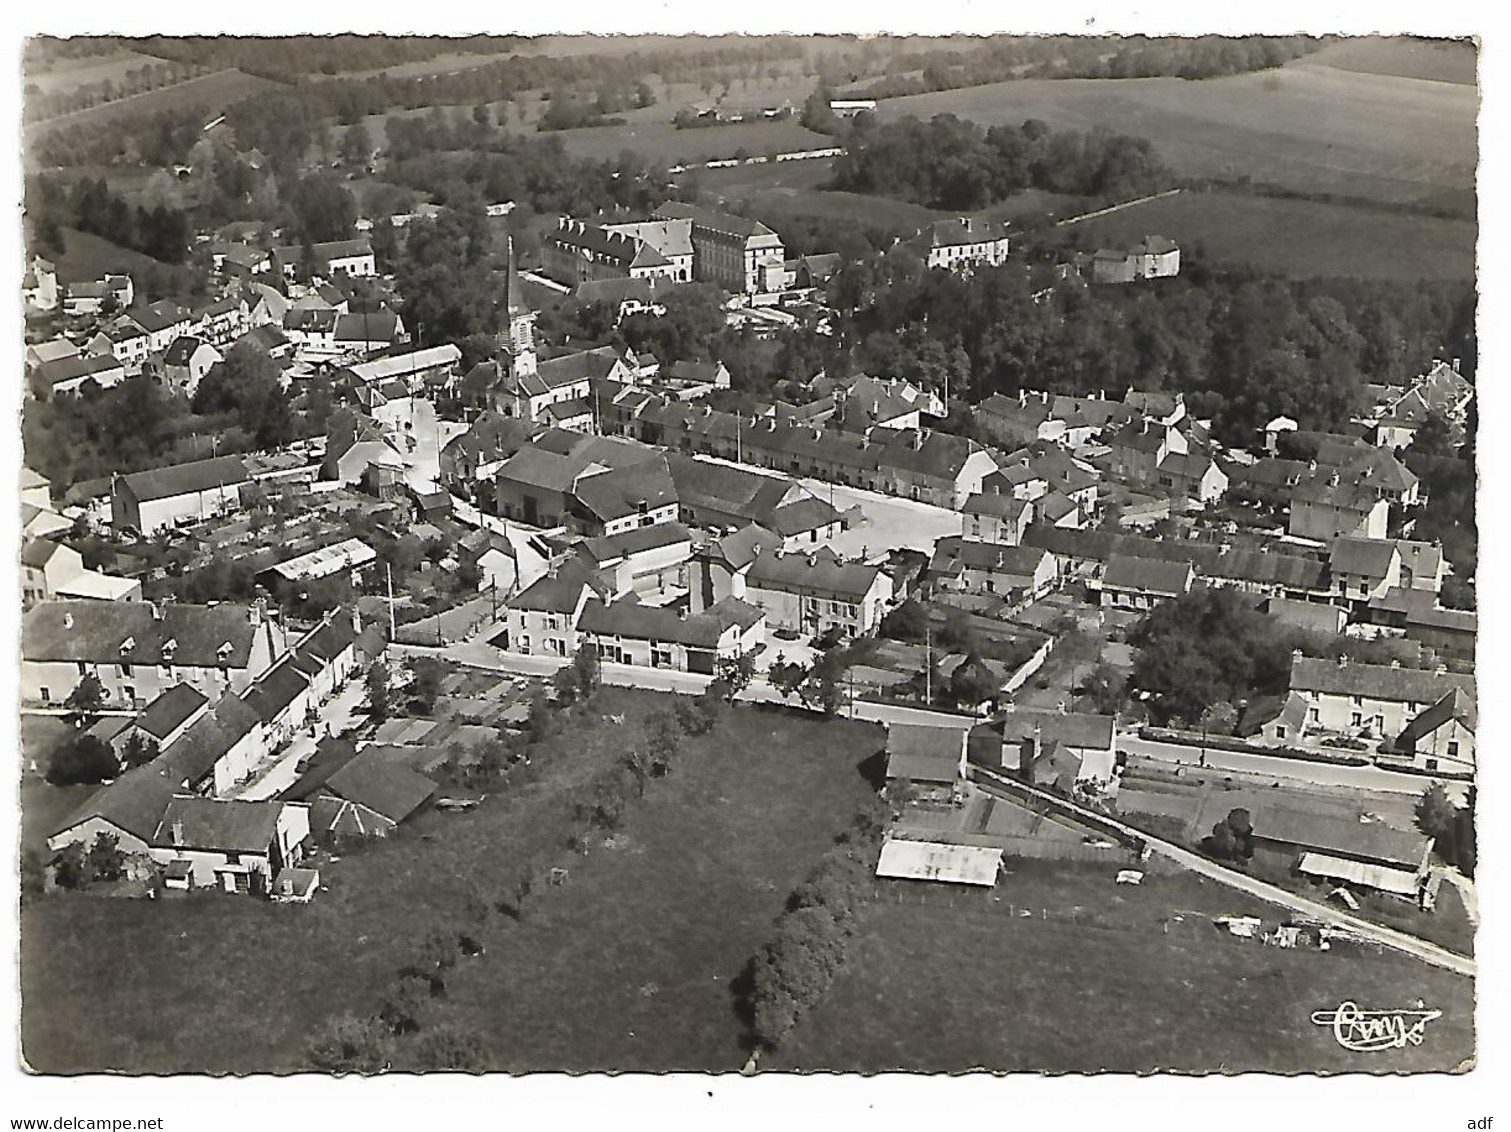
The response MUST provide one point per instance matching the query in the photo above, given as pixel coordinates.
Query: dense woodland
(951, 163)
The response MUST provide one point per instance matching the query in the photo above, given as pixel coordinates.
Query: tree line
(38, 106)
(950, 163)
(1082, 57)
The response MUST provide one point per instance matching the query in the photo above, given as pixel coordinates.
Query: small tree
(349, 1045)
(87, 697)
(1435, 812)
(589, 669)
(425, 688)
(541, 723)
(379, 693)
(106, 862)
(787, 676)
(663, 738)
(70, 869)
(1242, 828)
(138, 750)
(735, 674)
(566, 684)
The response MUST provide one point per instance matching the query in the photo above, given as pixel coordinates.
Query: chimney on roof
(1333, 480)
(1022, 398)
(1343, 660)
(1455, 365)
(157, 610)
(68, 620)
(1440, 668)
(1395, 662)
(178, 831)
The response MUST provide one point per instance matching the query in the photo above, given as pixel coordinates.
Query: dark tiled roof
(135, 802)
(723, 222)
(167, 713)
(384, 787)
(1147, 575)
(183, 479)
(223, 826)
(797, 573)
(100, 628)
(1374, 681)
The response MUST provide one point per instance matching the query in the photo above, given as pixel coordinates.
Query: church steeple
(517, 340)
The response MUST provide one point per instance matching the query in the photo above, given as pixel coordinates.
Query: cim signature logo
(1369, 1031)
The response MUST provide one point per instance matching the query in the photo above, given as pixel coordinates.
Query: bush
(349, 1045)
(447, 1048)
(82, 760)
(406, 1004)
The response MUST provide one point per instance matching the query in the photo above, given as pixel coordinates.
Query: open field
(210, 93)
(1296, 238)
(1448, 61)
(630, 964)
(627, 965)
(69, 74)
(1309, 127)
(949, 986)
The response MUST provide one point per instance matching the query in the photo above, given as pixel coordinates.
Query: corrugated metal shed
(931, 860)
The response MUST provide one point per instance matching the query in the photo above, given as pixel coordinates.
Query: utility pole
(392, 630)
(928, 663)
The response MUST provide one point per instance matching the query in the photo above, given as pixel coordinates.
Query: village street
(340, 713)
(1285, 769)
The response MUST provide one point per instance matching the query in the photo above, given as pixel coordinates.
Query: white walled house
(183, 493)
(138, 650)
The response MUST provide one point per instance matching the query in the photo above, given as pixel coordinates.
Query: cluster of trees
(346, 99)
(571, 109)
(453, 158)
(1204, 648)
(1201, 655)
(77, 868)
(161, 139)
(1065, 57)
(323, 208)
(1231, 839)
(126, 428)
(1449, 482)
(443, 273)
(792, 972)
(290, 58)
(244, 387)
(160, 232)
(950, 163)
(1243, 347)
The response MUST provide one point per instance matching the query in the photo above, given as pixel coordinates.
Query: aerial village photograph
(749, 555)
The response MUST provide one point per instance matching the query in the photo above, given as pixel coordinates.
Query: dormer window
(169, 646)
(223, 653)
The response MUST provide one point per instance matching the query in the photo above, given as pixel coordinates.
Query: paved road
(1320, 774)
(1242, 882)
(340, 713)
